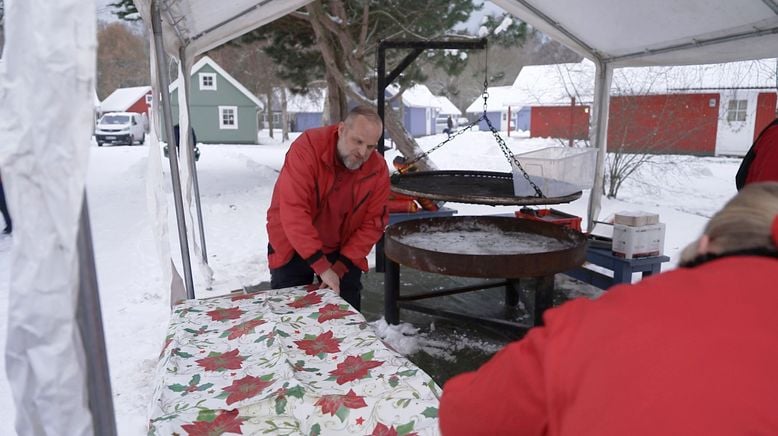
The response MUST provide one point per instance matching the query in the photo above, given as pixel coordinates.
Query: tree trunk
(404, 142)
(284, 117)
(269, 110)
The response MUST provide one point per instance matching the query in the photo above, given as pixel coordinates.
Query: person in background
(4, 209)
(329, 206)
(690, 351)
(450, 124)
(760, 164)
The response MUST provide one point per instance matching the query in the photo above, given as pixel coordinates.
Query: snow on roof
(447, 107)
(205, 60)
(416, 96)
(552, 84)
(498, 95)
(555, 84)
(313, 101)
(121, 99)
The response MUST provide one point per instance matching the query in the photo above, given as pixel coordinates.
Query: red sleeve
(297, 185)
(507, 395)
(362, 240)
(764, 167)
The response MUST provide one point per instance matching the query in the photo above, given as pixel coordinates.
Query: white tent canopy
(657, 32)
(47, 91)
(200, 25)
(634, 33)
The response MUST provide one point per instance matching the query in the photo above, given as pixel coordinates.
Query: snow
(121, 99)
(484, 240)
(539, 85)
(447, 107)
(236, 183)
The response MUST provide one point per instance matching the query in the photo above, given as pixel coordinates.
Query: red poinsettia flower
(243, 328)
(226, 422)
(222, 314)
(332, 311)
(353, 368)
(312, 287)
(331, 403)
(246, 387)
(222, 361)
(307, 300)
(324, 343)
(382, 430)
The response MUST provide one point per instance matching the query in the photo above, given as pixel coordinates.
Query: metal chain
(410, 165)
(501, 142)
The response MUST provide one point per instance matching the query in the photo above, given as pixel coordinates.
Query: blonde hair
(744, 223)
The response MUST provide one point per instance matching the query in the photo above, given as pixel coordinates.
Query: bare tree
(122, 58)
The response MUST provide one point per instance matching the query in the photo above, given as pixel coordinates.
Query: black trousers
(297, 272)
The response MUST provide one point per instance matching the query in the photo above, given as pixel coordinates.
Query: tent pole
(167, 116)
(90, 325)
(599, 135)
(192, 162)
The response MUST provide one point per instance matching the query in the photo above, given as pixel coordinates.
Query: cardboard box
(644, 241)
(636, 218)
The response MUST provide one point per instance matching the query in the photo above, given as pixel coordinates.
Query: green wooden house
(223, 111)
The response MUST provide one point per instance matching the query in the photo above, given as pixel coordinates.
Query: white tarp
(200, 25)
(657, 32)
(46, 104)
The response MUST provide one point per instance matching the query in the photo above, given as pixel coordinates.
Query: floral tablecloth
(297, 361)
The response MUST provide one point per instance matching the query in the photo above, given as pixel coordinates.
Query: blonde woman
(689, 352)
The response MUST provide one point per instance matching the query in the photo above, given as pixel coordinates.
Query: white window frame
(227, 126)
(148, 99)
(739, 112)
(203, 77)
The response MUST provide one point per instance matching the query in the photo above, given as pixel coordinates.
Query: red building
(684, 123)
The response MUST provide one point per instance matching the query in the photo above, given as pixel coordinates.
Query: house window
(228, 117)
(737, 110)
(207, 81)
(148, 99)
(276, 119)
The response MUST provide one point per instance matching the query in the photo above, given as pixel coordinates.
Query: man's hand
(330, 279)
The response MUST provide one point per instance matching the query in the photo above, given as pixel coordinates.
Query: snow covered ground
(236, 184)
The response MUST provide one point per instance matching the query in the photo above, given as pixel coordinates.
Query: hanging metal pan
(478, 187)
(485, 246)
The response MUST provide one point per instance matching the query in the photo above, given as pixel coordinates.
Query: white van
(120, 128)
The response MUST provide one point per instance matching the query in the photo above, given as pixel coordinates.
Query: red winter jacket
(302, 188)
(689, 352)
(760, 164)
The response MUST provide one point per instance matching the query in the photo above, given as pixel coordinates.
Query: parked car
(120, 128)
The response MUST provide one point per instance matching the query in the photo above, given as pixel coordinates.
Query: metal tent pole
(90, 325)
(167, 116)
(192, 162)
(602, 84)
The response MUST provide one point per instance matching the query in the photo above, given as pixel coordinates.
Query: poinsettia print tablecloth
(295, 361)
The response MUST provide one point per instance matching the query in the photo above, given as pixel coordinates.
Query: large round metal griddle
(479, 187)
(413, 243)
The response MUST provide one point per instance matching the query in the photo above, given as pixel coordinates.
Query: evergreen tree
(337, 40)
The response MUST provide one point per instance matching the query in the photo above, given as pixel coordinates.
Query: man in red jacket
(693, 351)
(329, 206)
